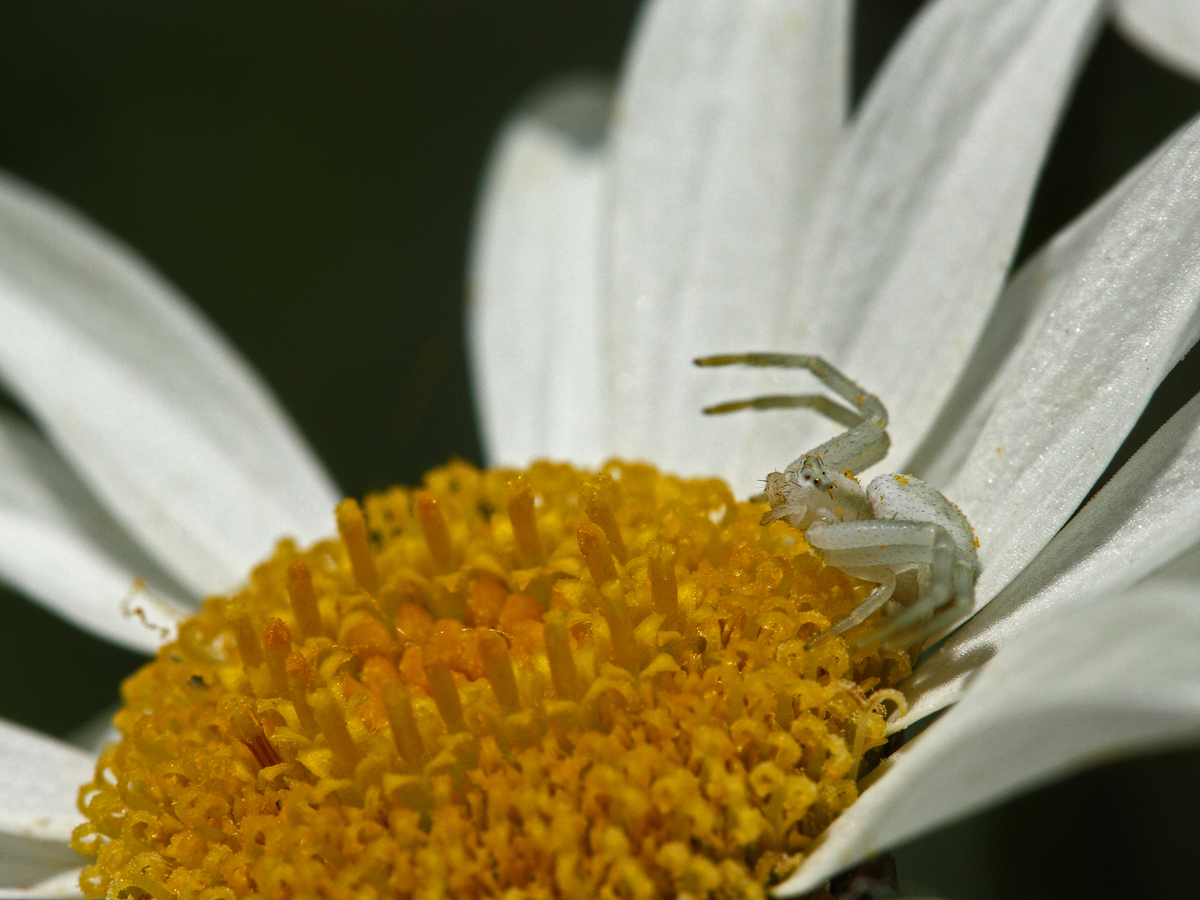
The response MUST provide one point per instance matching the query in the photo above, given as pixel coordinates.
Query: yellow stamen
(247, 641)
(595, 554)
(300, 679)
(332, 722)
(443, 690)
(303, 598)
(437, 536)
(620, 627)
(599, 510)
(524, 523)
(405, 734)
(498, 667)
(608, 695)
(664, 593)
(278, 642)
(558, 655)
(250, 732)
(354, 535)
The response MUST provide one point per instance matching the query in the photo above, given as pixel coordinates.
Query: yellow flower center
(542, 684)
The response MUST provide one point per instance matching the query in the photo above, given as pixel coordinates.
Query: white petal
(169, 427)
(1128, 314)
(1147, 515)
(59, 546)
(917, 225)
(1185, 568)
(727, 117)
(38, 870)
(1087, 686)
(97, 732)
(39, 783)
(1015, 321)
(1168, 30)
(534, 315)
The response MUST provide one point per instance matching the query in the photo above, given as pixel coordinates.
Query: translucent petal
(39, 781)
(59, 546)
(1027, 298)
(167, 425)
(916, 227)
(1185, 568)
(534, 315)
(38, 870)
(1088, 685)
(1146, 516)
(728, 114)
(1075, 388)
(97, 732)
(1167, 30)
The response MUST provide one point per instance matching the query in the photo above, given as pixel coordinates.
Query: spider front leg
(879, 549)
(943, 600)
(885, 578)
(864, 444)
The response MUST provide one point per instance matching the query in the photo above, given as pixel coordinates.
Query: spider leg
(816, 402)
(911, 626)
(869, 406)
(865, 547)
(864, 444)
(881, 575)
(949, 594)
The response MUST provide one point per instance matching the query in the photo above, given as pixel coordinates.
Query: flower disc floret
(538, 684)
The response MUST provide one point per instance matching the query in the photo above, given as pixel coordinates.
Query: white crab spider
(897, 525)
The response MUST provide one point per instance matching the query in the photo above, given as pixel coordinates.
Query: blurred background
(306, 174)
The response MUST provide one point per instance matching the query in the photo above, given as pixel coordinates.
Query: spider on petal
(895, 526)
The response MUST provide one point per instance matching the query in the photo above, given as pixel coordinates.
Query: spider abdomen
(908, 498)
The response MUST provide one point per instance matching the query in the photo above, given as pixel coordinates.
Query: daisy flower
(701, 219)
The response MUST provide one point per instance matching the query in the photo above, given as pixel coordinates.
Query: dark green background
(306, 174)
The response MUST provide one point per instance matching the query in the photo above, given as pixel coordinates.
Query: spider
(898, 525)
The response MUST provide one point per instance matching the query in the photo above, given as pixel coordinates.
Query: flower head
(707, 220)
(553, 684)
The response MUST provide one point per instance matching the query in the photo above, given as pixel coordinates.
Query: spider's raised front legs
(897, 525)
(864, 443)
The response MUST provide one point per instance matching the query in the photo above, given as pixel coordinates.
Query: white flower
(728, 208)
